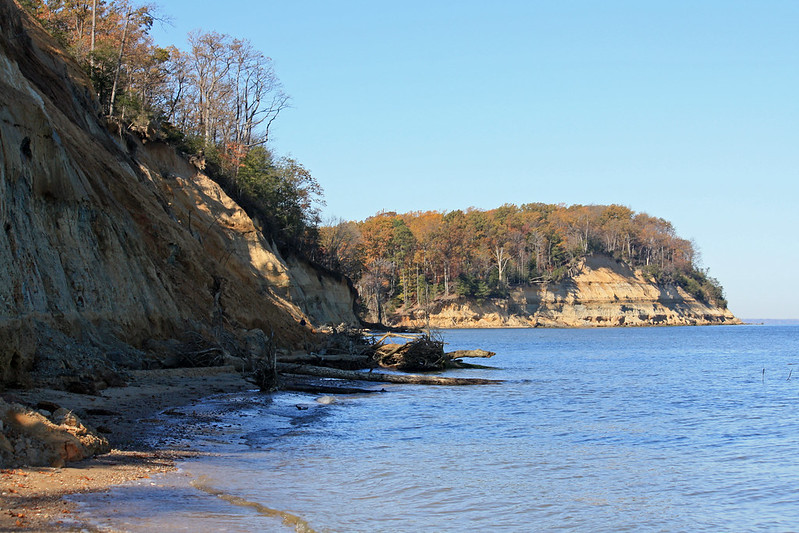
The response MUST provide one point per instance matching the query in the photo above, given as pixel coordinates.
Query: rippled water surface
(658, 429)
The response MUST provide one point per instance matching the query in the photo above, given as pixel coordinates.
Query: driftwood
(398, 336)
(457, 354)
(342, 361)
(419, 355)
(310, 370)
(304, 386)
(344, 342)
(457, 363)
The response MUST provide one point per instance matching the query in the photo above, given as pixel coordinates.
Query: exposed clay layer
(108, 243)
(604, 293)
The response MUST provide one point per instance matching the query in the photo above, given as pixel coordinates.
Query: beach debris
(342, 361)
(421, 354)
(328, 387)
(344, 342)
(458, 354)
(310, 370)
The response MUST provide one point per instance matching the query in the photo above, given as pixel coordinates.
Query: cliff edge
(604, 292)
(116, 252)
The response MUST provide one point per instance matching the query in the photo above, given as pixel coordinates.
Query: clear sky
(684, 109)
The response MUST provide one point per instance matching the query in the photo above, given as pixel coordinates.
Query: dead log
(400, 336)
(420, 355)
(458, 364)
(309, 370)
(344, 361)
(457, 354)
(302, 386)
(387, 350)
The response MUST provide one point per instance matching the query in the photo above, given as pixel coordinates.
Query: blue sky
(686, 110)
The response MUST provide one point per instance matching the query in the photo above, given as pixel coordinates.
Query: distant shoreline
(771, 321)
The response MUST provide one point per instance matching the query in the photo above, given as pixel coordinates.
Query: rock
(326, 400)
(255, 344)
(6, 449)
(65, 417)
(48, 406)
(82, 385)
(17, 348)
(29, 438)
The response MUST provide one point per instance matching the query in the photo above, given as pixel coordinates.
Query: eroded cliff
(605, 292)
(108, 244)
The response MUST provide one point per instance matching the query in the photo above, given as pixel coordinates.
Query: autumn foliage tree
(111, 40)
(409, 259)
(218, 98)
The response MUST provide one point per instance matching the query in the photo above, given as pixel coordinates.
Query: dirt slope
(108, 245)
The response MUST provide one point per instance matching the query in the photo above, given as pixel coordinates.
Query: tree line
(219, 97)
(405, 260)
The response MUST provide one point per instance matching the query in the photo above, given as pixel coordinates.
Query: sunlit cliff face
(603, 293)
(110, 241)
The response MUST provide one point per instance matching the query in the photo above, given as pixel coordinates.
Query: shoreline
(33, 498)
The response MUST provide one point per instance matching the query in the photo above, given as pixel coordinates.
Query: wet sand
(32, 499)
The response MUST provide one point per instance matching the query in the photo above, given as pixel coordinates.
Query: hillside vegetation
(412, 259)
(119, 253)
(217, 99)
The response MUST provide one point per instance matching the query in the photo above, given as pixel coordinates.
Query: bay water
(644, 429)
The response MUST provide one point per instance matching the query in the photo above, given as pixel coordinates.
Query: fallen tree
(318, 371)
(344, 362)
(420, 354)
(457, 354)
(303, 384)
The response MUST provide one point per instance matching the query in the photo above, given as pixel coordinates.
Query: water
(657, 429)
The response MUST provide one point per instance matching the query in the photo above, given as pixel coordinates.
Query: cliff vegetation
(120, 253)
(216, 101)
(421, 260)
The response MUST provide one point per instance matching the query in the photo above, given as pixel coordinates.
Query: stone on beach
(28, 437)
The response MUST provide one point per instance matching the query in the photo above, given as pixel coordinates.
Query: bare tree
(259, 96)
(210, 60)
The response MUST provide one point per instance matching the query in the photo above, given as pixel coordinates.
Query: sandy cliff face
(224, 230)
(604, 293)
(106, 243)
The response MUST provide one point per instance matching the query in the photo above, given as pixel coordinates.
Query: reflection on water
(611, 430)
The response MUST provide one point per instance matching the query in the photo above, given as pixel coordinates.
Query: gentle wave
(666, 429)
(295, 522)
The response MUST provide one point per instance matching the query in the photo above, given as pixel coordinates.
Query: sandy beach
(32, 499)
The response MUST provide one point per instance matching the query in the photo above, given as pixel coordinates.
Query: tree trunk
(309, 370)
(457, 354)
(119, 64)
(94, 33)
(502, 261)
